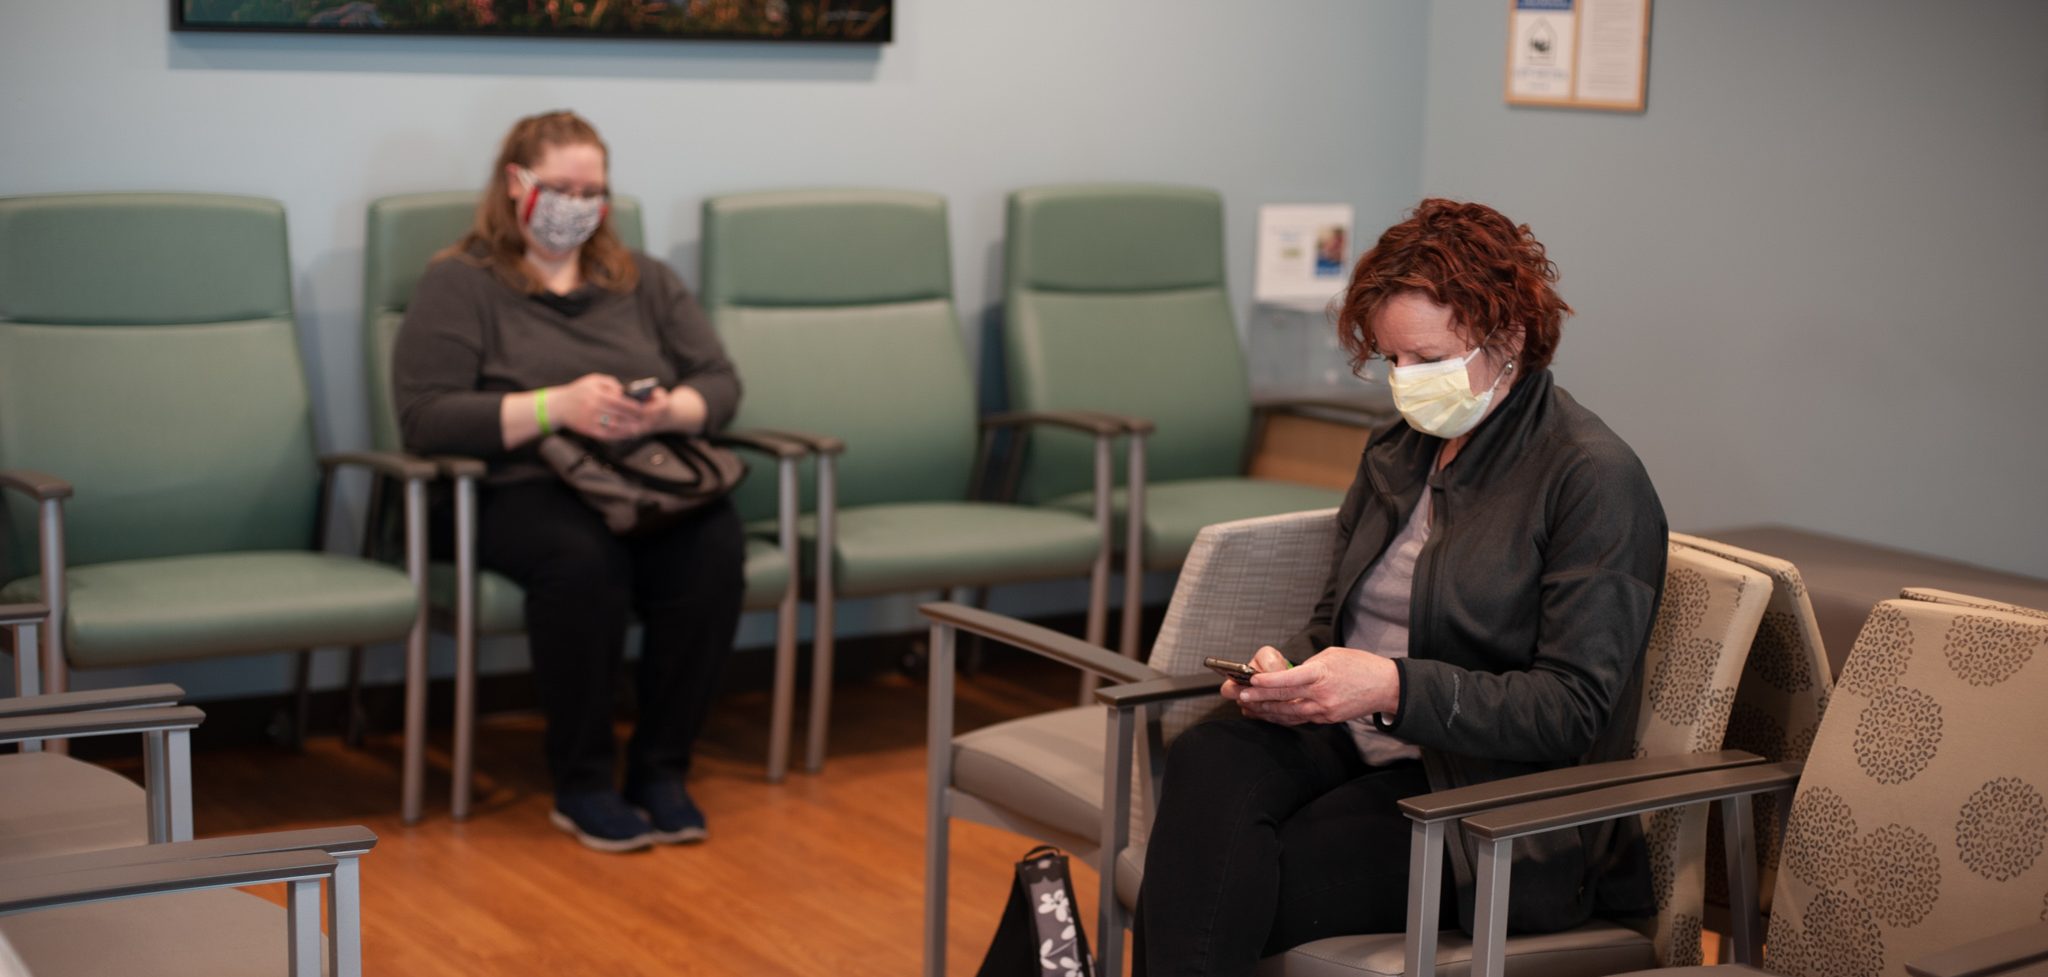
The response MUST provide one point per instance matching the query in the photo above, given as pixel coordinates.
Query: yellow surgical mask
(1437, 398)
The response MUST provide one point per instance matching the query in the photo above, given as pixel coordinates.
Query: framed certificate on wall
(1579, 54)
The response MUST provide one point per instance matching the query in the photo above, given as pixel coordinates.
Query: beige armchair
(1919, 819)
(1244, 584)
(74, 862)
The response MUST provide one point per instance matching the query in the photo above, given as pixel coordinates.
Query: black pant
(1268, 837)
(581, 584)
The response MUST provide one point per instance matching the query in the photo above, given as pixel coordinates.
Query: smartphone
(1240, 671)
(642, 388)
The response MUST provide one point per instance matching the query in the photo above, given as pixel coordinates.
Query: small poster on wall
(1304, 252)
(1581, 54)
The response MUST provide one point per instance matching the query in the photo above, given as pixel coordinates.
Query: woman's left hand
(680, 409)
(1335, 685)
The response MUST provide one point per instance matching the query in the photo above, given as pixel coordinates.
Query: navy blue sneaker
(667, 806)
(600, 819)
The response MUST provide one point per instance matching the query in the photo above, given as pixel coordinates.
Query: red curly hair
(1491, 272)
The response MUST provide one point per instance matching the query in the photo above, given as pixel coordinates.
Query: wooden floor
(819, 875)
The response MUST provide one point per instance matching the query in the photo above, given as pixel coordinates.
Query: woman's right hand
(1268, 659)
(596, 405)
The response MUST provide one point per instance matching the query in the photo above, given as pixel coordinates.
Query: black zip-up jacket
(1532, 605)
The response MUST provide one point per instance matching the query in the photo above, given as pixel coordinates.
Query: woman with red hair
(1500, 556)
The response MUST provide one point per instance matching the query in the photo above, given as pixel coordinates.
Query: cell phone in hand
(1241, 672)
(642, 388)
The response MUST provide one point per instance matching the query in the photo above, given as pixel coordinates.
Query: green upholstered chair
(1115, 303)
(154, 409)
(404, 234)
(837, 305)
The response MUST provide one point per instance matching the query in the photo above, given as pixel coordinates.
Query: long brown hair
(495, 240)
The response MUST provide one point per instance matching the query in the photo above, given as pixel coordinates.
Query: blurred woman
(534, 323)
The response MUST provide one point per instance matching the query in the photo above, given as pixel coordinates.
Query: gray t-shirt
(1378, 622)
(469, 339)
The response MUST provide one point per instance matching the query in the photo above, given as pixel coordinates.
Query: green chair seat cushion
(136, 612)
(887, 549)
(1176, 511)
(501, 604)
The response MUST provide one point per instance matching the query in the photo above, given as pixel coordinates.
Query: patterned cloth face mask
(559, 222)
(1437, 398)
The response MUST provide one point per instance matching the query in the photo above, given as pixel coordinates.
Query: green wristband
(540, 410)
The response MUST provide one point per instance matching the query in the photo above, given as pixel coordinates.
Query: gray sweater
(469, 339)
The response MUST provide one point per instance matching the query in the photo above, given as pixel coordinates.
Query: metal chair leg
(822, 630)
(782, 708)
(938, 816)
(302, 698)
(971, 656)
(354, 723)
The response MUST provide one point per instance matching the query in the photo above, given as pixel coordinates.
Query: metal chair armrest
(1165, 689)
(104, 722)
(47, 891)
(35, 485)
(130, 697)
(1635, 797)
(1040, 641)
(343, 842)
(1087, 422)
(391, 463)
(459, 466)
(823, 444)
(1461, 802)
(772, 444)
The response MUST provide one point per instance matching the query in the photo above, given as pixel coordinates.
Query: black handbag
(1040, 934)
(645, 485)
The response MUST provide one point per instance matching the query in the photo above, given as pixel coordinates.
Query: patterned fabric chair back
(1933, 596)
(1246, 583)
(1778, 705)
(1702, 636)
(1921, 819)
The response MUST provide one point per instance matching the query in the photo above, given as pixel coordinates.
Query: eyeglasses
(578, 193)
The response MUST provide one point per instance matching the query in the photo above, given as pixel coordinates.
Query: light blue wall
(1307, 100)
(1812, 280)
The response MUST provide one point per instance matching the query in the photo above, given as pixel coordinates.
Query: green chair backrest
(148, 355)
(837, 307)
(1115, 301)
(404, 234)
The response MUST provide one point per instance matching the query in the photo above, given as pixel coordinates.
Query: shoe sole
(591, 841)
(680, 836)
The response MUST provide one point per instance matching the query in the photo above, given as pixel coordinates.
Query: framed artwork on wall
(843, 21)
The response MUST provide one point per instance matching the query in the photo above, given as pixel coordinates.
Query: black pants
(1268, 837)
(582, 582)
